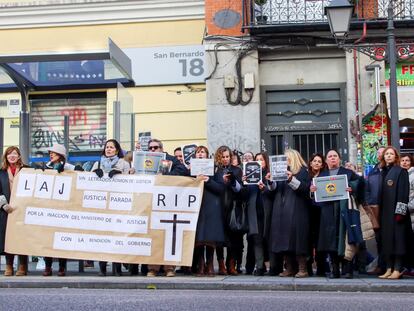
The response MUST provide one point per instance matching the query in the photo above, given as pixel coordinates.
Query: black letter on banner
(44, 185)
(61, 190)
(25, 186)
(191, 199)
(161, 198)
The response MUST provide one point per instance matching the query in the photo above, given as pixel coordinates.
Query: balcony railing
(277, 12)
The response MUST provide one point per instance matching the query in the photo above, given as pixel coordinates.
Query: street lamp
(339, 14)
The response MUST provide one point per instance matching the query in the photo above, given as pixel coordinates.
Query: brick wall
(225, 8)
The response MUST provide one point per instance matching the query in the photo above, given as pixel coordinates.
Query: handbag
(238, 221)
(373, 214)
(352, 220)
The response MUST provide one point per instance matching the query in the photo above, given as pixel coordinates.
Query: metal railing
(282, 12)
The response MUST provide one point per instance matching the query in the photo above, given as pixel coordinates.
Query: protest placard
(143, 139)
(331, 188)
(128, 218)
(147, 163)
(188, 152)
(202, 167)
(253, 172)
(278, 167)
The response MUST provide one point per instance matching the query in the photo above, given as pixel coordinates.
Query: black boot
(335, 273)
(102, 268)
(349, 271)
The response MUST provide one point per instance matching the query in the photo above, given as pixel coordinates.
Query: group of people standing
(286, 226)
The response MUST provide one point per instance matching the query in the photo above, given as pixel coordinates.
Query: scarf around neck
(107, 164)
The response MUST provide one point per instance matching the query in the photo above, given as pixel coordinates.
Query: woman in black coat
(12, 163)
(229, 177)
(210, 225)
(395, 225)
(259, 218)
(316, 165)
(331, 237)
(290, 218)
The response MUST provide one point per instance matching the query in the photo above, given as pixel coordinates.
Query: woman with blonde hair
(289, 231)
(12, 164)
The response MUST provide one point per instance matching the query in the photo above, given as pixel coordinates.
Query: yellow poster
(128, 218)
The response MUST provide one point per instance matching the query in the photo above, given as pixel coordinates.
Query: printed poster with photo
(188, 152)
(147, 163)
(253, 172)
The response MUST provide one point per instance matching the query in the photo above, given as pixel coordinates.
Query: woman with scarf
(12, 164)
(57, 154)
(112, 163)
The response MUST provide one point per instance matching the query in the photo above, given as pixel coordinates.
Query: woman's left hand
(289, 176)
(131, 171)
(349, 189)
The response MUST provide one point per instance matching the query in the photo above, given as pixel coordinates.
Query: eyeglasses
(153, 147)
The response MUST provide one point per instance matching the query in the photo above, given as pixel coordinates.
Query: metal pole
(392, 60)
(1, 137)
(24, 142)
(117, 120)
(66, 134)
(132, 132)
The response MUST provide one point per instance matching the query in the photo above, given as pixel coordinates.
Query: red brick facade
(214, 6)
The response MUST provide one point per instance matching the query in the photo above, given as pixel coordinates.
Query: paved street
(91, 299)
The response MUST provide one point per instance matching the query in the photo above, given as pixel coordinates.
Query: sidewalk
(90, 279)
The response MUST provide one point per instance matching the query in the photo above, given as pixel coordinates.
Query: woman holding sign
(210, 226)
(12, 163)
(332, 231)
(57, 154)
(229, 178)
(112, 162)
(395, 225)
(289, 231)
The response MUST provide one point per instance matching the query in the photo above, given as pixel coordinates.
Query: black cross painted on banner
(174, 236)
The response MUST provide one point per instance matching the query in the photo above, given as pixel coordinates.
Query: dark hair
(397, 157)
(119, 152)
(407, 155)
(236, 153)
(313, 156)
(202, 148)
(177, 149)
(159, 142)
(265, 157)
(339, 156)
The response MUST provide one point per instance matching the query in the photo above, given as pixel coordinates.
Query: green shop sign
(405, 74)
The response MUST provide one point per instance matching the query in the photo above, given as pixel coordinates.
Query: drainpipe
(358, 136)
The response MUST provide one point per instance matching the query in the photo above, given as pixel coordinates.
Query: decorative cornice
(94, 13)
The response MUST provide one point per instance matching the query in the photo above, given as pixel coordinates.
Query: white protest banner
(128, 218)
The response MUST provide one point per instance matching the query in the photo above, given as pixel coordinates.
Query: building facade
(162, 38)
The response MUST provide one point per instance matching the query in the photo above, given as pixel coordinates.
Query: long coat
(394, 235)
(290, 217)
(331, 226)
(259, 209)
(4, 190)
(210, 225)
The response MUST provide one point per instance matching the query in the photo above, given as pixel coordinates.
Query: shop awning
(68, 70)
